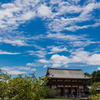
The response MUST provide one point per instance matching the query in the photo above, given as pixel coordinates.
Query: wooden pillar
(78, 89)
(71, 89)
(83, 89)
(63, 90)
(57, 89)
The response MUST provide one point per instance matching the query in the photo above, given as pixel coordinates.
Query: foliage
(88, 81)
(95, 77)
(94, 87)
(21, 88)
(95, 97)
(49, 92)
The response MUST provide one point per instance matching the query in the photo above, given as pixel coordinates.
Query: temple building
(67, 81)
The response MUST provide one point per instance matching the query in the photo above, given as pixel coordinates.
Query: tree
(22, 88)
(93, 75)
(97, 76)
(49, 92)
(89, 81)
(94, 87)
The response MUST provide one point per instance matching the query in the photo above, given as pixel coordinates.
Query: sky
(40, 34)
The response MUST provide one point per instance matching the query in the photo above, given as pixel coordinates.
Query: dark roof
(66, 73)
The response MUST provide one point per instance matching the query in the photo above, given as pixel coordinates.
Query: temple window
(66, 90)
(80, 87)
(53, 86)
(80, 80)
(69, 80)
(75, 86)
(53, 80)
(74, 80)
(67, 85)
(60, 80)
(59, 90)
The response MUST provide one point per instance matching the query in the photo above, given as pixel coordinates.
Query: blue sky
(37, 34)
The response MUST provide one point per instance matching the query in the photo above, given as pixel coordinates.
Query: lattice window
(80, 81)
(53, 86)
(59, 90)
(53, 80)
(66, 90)
(80, 87)
(60, 80)
(67, 85)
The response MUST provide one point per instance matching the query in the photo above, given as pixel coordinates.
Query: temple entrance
(67, 91)
(75, 91)
(62, 91)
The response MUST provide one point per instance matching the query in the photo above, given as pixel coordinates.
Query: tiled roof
(66, 73)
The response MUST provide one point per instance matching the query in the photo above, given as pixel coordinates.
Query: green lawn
(58, 99)
(64, 99)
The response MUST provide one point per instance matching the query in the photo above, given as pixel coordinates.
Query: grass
(57, 99)
(64, 99)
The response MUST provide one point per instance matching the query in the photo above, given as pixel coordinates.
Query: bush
(49, 93)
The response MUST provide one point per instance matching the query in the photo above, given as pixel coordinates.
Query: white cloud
(84, 13)
(43, 61)
(8, 53)
(44, 11)
(94, 59)
(15, 69)
(22, 68)
(6, 68)
(56, 49)
(15, 72)
(30, 64)
(98, 68)
(77, 56)
(17, 12)
(65, 37)
(19, 40)
(76, 1)
(33, 69)
(40, 53)
(45, 66)
(83, 43)
(59, 61)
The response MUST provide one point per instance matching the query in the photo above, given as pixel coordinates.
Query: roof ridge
(64, 69)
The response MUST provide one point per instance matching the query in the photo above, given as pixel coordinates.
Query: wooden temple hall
(67, 81)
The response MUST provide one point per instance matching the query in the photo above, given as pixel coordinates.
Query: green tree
(49, 92)
(89, 81)
(97, 76)
(93, 75)
(94, 87)
(22, 88)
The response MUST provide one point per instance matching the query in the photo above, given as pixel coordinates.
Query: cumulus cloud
(44, 11)
(8, 53)
(57, 17)
(84, 13)
(62, 36)
(56, 49)
(15, 72)
(45, 66)
(15, 69)
(77, 56)
(98, 68)
(40, 53)
(33, 69)
(43, 61)
(30, 64)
